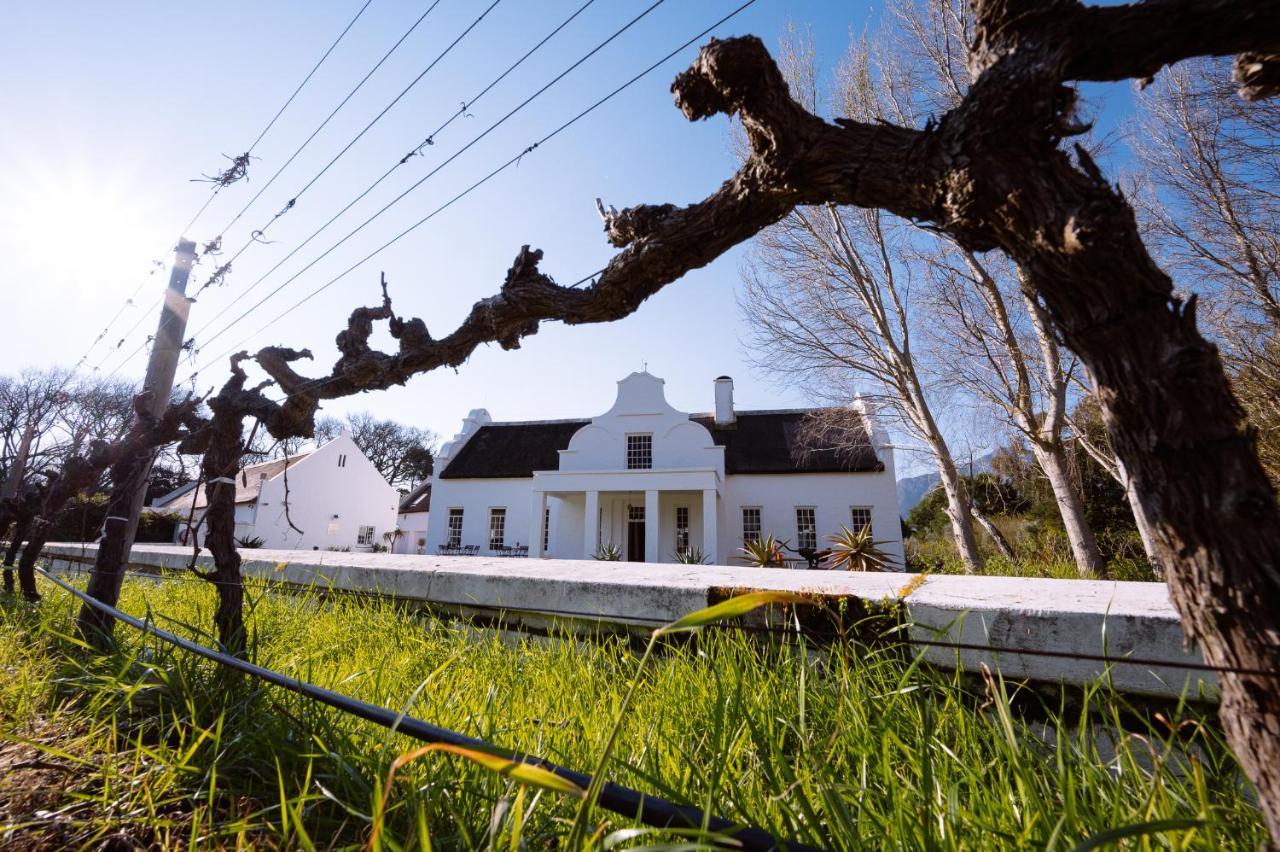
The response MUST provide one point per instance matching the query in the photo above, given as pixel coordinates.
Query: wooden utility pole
(163, 364)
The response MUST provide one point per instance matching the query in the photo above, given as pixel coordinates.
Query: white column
(710, 526)
(539, 511)
(652, 526)
(590, 524)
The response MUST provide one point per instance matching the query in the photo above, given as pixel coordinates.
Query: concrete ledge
(1072, 616)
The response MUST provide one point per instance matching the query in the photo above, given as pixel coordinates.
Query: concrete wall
(1070, 616)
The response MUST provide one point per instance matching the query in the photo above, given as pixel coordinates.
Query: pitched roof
(758, 442)
(505, 450)
(781, 442)
(417, 500)
(248, 483)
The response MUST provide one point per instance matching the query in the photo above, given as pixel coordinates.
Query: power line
(257, 234)
(449, 160)
(209, 200)
(427, 141)
(329, 118)
(280, 111)
(513, 161)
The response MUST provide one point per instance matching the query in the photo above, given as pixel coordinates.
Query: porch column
(652, 524)
(539, 511)
(710, 526)
(590, 524)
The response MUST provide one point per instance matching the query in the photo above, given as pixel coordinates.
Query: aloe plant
(857, 551)
(608, 553)
(762, 552)
(691, 557)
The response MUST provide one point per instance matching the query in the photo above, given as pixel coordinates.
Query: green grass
(853, 750)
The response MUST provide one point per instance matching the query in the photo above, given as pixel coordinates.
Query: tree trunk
(30, 555)
(992, 531)
(94, 626)
(1084, 547)
(957, 509)
(221, 462)
(20, 529)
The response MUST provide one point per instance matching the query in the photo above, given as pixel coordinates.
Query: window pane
(861, 517)
(639, 452)
(497, 528)
(546, 530)
(751, 523)
(455, 528)
(682, 530)
(806, 528)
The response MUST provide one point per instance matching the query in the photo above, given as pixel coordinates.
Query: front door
(635, 533)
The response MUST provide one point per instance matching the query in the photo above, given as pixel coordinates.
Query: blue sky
(112, 109)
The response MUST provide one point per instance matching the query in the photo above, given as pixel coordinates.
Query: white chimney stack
(724, 402)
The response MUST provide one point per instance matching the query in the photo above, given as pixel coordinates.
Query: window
(455, 528)
(635, 513)
(639, 452)
(682, 530)
(497, 528)
(861, 517)
(546, 530)
(806, 528)
(365, 535)
(750, 523)
(342, 460)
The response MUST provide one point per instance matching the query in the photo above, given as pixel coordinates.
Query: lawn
(851, 748)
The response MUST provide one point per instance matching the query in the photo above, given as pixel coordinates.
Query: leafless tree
(828, 299)
(1213, 164)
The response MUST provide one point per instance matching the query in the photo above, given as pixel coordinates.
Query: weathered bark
(26, 510)
(130, 463)
(79, 473)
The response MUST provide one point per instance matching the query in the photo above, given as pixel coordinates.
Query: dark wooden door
(635, 541)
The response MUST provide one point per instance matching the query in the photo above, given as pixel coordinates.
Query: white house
(337, 499)
(652, 481)
(411, 522)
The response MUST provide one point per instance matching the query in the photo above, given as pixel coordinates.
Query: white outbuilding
(654, 482)
(337, 500)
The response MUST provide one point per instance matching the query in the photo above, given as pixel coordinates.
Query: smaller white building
(411, 524)
(337, 500)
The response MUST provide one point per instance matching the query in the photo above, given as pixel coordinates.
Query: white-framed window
(639, 452)
(682, 530)
(860, 518)
(342, 460)
(806, 527)
(635, 513)
(751, 523)
(364, 535)
(454, 539)
(546, 530)
(497, 527)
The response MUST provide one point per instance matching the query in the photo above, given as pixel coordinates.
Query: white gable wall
(319, 489)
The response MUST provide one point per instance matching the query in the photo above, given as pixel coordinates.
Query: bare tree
(1214, 215)
(828, 302)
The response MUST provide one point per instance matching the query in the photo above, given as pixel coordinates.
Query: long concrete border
(1114, 619)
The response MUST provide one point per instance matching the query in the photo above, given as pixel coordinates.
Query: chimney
(724, 402)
